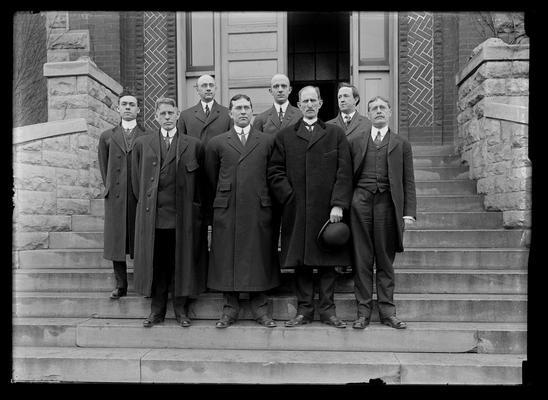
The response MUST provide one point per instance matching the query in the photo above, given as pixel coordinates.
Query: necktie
(378, 139)
(127, 131)
(207, 111)
(309, 127)
(242, 137)
(281, 115)
(168, 142)
(347, 120)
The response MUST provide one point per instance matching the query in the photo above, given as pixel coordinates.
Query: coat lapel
(119, 138)
(154, 144)
(234, 141)
(317, 133)
(250, 144)
(392, 143)
(182, 144)
(273, 116)
(354, 123)
(364, 142)
(213, 114)
(199, 112)
(301, 131)
(172, 152)
(289, 114)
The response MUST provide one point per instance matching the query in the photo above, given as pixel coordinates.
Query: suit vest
(165, 204)
(374, 175)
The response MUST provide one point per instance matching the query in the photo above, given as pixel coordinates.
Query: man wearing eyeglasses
(207, 118)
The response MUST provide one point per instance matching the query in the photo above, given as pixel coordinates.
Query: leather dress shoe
(224, 322)
(360, 323)
(298, 320)
(117, 293)
(394, 322)
(184, 321)
(152, 320)
(334, 321)
(265, 321)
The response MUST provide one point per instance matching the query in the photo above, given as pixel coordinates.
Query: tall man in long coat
(282, 113)
(383, 203)
(242, 257)
(170, 238)
(114, 153)
(207, 118)
(310, 173)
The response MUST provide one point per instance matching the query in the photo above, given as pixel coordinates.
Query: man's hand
(408, 222)
(336, 214)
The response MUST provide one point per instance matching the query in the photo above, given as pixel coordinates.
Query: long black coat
(309, 173)
(193, 122)
(400, 175)
(120, 206)
(191, 234)
(244, 251)
(269, 122)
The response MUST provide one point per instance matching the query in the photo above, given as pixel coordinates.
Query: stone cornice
(46, 130)
(81, 67)
(492, 50)
(506, 112)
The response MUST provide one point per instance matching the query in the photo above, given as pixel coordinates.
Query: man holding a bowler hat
(310, 174)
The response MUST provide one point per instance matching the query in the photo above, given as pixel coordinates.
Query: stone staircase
(461, 285)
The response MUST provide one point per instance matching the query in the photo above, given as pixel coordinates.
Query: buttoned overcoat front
(244, 251)
(309, 173)
(190, 233)
(119, 224)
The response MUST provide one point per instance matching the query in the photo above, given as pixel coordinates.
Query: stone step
(443, 173)
(407, 281)
(261, 367)
(450, 203)
(448, 186)
(490, 238)
(465, 258)
(427, 160)
(430, 337)
(411, 307)
(63, 258)
(412, 238)
(434, 150)
(457, 220)
(87, 223)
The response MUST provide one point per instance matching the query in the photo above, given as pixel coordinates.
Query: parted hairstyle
(238, 97)
(164, 100)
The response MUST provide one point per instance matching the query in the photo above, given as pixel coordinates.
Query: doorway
(318, 47)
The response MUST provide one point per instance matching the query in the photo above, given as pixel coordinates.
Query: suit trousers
(162, 275)
(304, 288)
(374, 234)
(258, 303)
(120, 274)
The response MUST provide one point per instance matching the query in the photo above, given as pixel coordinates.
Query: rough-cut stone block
(63, 85)
(516, 219)
(34, 202)
(42, 223)
(520, 68)
(69, 101)
(84, 159)
(30, 146)
(73, 206)
(519, 86)
(70, 40)
(97, 207)
(34, 177)
(61, 159)
(57, 56)
(58, 143)
(71, 177)
(73, 192)
(27, 157)
(31, 240)
(497, 69)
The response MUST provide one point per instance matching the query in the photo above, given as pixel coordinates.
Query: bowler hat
(333, 235)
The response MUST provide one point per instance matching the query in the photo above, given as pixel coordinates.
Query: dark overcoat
(190, 233)
(358, 124)
(269, 122)
(400, 175)
(193, 122)
(244, 251)
(309, 173)
(120, 206)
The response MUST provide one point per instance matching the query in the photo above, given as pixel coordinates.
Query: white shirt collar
(351, 115)
(170, 133)
(210, 105)
(283, 106)
(382, 130)
(310, 121)
(129, 124)
(239, 130)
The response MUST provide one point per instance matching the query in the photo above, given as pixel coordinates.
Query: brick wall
(470, 34)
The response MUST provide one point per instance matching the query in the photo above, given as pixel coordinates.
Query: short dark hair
(238, 97)
(355, 92)
(378, 98)
(164, 100)
(127, 92)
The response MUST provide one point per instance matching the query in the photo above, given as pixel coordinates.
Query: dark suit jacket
(400, 174)
(193, 122)
(268, 121)
(358, 124)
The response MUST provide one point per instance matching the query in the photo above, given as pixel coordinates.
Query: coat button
(117, 169)
(147, 208)
(150, 194)
(117, 195)
(117, 183)
(153, 162)
(152, 178)
(119, 156)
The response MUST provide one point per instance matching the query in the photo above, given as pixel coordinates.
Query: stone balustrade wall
(493, 99)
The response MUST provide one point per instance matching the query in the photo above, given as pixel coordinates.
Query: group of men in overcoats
(285, 176)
